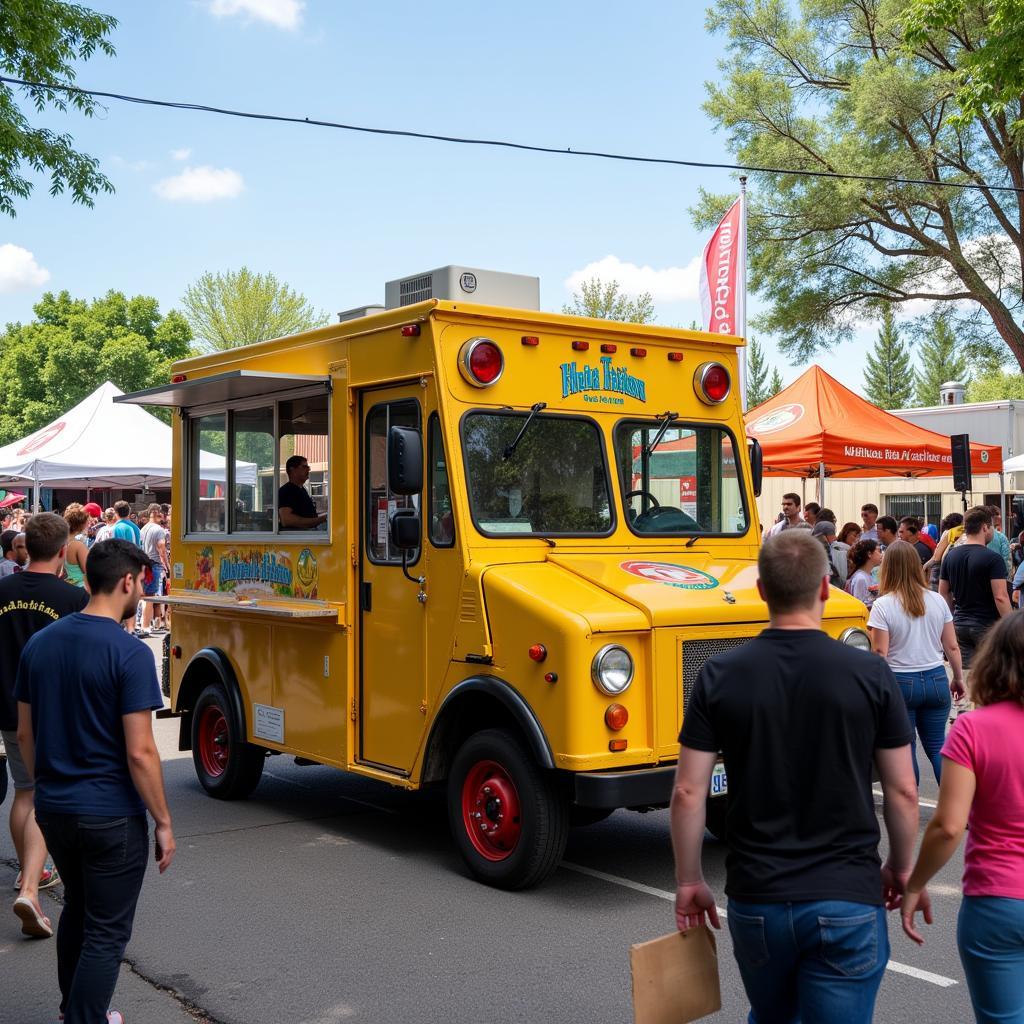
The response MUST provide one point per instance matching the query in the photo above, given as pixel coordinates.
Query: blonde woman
(912, 627)
(78, 545)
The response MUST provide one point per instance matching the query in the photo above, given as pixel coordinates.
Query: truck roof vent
(416, 289)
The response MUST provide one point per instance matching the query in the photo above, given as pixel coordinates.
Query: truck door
(392, 619)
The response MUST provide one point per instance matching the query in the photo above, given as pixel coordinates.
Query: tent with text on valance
(818, 427)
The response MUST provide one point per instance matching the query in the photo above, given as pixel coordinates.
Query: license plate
(719, 781)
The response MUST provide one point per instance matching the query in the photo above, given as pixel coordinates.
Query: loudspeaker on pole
(960, 447)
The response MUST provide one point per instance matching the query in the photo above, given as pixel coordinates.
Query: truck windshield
(555, 481)
(689, 485)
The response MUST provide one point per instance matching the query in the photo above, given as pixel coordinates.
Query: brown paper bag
(675, 978)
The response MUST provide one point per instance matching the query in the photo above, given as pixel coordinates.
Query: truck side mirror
(405, 528)
(756, 464)
(405, 460)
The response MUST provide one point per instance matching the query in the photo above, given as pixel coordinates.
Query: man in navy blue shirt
(86, 733)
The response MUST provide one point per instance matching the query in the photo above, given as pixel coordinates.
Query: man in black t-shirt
(800, 720)
(910, 531)
(295, 507)
(973, 582)
(30, 601)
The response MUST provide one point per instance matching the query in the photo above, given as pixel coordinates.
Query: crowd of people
(77, 732)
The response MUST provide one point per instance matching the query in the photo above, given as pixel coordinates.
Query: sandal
(33, 923)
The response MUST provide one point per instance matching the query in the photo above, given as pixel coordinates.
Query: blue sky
(335, 214)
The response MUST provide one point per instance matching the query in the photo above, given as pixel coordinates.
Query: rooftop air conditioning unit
(467, 284)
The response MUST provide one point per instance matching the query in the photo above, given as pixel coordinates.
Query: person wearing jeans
(799, 718)
(86, 733)
(982, 791)
(912, 627)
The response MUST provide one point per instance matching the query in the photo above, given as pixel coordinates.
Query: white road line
(663, 894)
(922, 802)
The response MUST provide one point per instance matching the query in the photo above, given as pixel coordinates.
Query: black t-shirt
(798, 717)
(29, 601)
(970, 570)
(923, 551)
(296, 498)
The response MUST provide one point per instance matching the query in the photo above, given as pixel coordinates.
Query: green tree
(889, 378)
(601, 299)
(759, 387)
(994, 387)
(43, 41)
(775, 385)
(832, 86)
(73, 346)
(939, 360)
(239, 307)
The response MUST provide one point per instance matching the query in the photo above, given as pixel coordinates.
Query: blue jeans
(990, 935)
(927, 697)
(819, 962)
(101, 863)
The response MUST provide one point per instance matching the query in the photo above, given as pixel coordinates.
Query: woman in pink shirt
(982, 789)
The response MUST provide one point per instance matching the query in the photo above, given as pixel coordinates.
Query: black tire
(228, 768)
(715, 819)
(525, 847)
(581, 817)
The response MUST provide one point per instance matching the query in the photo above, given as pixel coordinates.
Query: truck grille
(696, 652)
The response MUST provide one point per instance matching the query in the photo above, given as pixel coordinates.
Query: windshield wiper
(666, 421)
(511, 448)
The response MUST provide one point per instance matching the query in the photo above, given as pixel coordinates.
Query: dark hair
(45, 534)
(869, 507)
(948, 522)
(997, 669)
(295, 460)
(813, 507)
(847, 529)
(164, 507)
(791, 566)
(976, 520)
(826, 514)
(7, 540)
(123, 509)
(792, 497)
(861, 552)
(911, 523)
(110, 561)
(887, 523)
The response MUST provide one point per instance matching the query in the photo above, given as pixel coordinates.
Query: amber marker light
(616, 746)
(616, 717)
(538, 652)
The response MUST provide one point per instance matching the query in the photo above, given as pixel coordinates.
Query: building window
(927, 507)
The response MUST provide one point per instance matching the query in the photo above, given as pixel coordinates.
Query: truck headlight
(856, 638)
(612, 669)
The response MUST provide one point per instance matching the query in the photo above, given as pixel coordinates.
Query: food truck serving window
(545, 476)
(681, 480)
(247, 462)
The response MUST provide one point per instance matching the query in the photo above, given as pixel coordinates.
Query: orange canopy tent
(817, 427)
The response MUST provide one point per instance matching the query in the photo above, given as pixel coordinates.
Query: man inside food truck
(295, 507)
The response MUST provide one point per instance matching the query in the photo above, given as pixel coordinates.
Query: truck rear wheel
(508, 817)
(228, 768)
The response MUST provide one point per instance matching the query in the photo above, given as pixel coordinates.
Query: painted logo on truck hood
(682, 577)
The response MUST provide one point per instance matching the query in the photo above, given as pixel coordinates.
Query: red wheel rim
(491, 812)
(213, 745)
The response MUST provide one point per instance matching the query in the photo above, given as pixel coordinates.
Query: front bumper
(643, 787)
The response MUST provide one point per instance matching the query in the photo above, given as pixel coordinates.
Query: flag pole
(742, 296)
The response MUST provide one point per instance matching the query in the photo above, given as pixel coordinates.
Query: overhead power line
(502, 143)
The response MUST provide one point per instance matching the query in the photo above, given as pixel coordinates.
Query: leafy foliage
(834, 87)
(996, 386)
(43, 41)
(239, 307)
(759, 387)
(73, 346)
(939, 360)
(889, 377)
(601, 299)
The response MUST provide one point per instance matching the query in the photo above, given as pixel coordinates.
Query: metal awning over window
(224, 387)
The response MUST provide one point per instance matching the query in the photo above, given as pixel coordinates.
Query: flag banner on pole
(721, 270)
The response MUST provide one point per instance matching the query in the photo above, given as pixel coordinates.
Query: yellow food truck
(463, 545)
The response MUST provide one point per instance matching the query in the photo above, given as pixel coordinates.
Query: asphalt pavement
(328, 898)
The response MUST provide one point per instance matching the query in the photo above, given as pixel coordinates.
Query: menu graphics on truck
(254, 572)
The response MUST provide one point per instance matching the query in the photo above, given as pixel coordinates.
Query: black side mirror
(405, 460)
(756, 465)
(405, 528)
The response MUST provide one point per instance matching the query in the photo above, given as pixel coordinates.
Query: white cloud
(181, 154)
(201, 185)
(19, 270)
(286, 14)
(673, 284)
(131, 165)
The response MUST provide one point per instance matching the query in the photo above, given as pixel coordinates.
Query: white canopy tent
(100, 443)
(1014, 465)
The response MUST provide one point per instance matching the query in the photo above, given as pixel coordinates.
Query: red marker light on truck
(638, 352)
(481, 362)
(712, 383)
(411, 331)
(538, 652)
(530, 340)
(580, 346)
